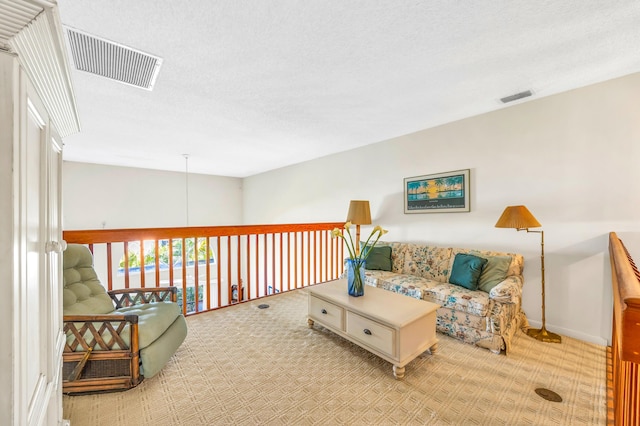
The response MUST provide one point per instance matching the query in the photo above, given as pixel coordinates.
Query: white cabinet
(34, 98)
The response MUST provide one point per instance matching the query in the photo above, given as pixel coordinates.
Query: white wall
(97, 196)
(572, 159)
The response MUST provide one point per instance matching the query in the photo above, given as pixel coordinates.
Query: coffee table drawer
(326, 312)
(372, 333)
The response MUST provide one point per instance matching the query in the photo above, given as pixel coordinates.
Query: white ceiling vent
(113, 60)
(515, 97)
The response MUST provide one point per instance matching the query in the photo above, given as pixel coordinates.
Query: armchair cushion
(153, 320)
(83, 293)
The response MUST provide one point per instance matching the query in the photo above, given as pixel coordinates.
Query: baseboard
(571, 333)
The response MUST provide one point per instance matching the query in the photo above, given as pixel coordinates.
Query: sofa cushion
(517, 260)
(459, 298)
(409, 285)
(466, 270)
(448, 315)
(379, 258)
(494, 272)
(426, 261)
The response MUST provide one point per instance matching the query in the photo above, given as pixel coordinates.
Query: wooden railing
(624, 355)
(215, 266)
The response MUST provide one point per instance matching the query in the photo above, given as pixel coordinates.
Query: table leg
(398, 372)
(310, 322)
(433, 349)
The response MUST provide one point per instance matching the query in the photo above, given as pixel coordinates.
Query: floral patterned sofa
(488, 319)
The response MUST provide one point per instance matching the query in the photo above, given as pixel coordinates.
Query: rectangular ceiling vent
(515, 97)
(113, 60)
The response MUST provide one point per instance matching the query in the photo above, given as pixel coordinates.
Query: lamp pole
(542, 334)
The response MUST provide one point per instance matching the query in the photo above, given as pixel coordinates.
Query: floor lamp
(520, 218)
(359, 214)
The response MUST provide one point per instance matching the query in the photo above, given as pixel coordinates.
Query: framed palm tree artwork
(438, 193)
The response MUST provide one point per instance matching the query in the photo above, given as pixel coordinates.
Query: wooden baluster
(239, 295)
(109, 268)
(142, 268)
(219, 272)
(295, 260)
(157, 263)
(288, 234)
(257, 266)
(229, 279)
(280, 276)
(308, 258)
(184, 276)
(126, 264)
(171, 282)
(208, 271)
(265, 280)
(248, 267)
(196, 272)
(273, 263)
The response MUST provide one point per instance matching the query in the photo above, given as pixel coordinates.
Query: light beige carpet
(248, 366)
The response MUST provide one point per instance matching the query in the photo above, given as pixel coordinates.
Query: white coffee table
(394, 327)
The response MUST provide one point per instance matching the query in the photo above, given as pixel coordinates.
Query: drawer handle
(324, 311)
(367, 332)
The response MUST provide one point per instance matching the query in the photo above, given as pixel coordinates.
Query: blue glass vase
(355, 277)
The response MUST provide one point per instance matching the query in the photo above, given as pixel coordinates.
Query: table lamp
(359, 214)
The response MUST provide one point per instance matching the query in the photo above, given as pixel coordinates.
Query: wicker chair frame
(116, 365)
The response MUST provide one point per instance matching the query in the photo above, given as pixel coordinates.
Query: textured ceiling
(251, 86)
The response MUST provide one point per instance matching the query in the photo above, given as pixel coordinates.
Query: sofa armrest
(508, 291)
(134, 296)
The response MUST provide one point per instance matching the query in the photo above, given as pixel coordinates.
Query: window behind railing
(215, 266)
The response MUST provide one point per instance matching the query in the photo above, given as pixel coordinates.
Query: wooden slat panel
(625, 338)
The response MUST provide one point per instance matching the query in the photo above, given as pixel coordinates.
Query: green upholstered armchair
(114, 339)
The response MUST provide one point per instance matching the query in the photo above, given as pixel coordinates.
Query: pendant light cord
(186, 184)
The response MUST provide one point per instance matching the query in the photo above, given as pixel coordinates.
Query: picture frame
(446, 192)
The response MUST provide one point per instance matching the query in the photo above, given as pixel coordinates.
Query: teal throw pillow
(494, 272)
(379, 259)
(466, 270)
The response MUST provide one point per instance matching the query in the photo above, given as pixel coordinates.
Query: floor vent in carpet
(549, 395)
